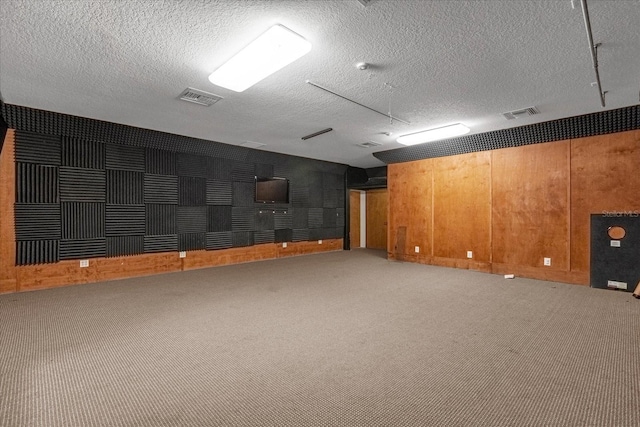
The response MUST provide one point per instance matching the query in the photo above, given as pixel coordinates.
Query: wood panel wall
(377, 206)
(354, 219)
(23, 278)
(513, 207)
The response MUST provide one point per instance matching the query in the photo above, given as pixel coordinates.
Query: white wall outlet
(319, 242)
(183, 254)
(284, 244)
(84, 263)
(615, 243)
(469, 254)
(417, 249)
(547, 262)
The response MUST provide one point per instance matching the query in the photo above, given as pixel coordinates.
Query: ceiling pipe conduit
(594, 49)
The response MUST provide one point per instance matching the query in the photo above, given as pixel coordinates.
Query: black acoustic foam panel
(192, 219)
(340, 217)
(242, 219)
(192, 241)
(80, 249)
(219, 169)
(192, 191)
(242, 238)
(219, 218)
(160, 219)
(37, 222)
(82, 185)
(329, 218)
(265, 236)
(81, 220)
(160, 162)
(160, 189)
(165, 243)
(82, 153)
(243, 172)
(122, 220)
(300, 235)
(219, 192)
(263, 170)
(300, 218)
(264, 219)
(219, 240)
(243, 193)
(36, 183)
(285, 235)
(125, 245)
(192, 165)
(299, 195)
(283, 219)
(37, 148)
(316, 216)
(125, 187)
(36, 252)
(125, 157)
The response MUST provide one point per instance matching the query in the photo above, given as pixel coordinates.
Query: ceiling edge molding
(600, 123)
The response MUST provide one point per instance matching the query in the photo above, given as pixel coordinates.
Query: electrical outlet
(319, 242)
(547, 262)
(284, 244)
(183, 254)
(417, 249)
(469, 254)
(615, 243)
(84, 263)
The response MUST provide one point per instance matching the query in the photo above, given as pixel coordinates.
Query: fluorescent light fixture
(433, 134)
(274, 49)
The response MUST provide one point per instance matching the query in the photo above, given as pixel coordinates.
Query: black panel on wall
(82, 185)
(219, 169)
(265, 171)
(192, 241)
(330, 183)
(340, 217)
(243, 193)
(164, 243)
(37, 222)
(192, 191)
(299, 195)
(316, 191)
(79, 249)
(316, 216)
(242, 219)
(300, 218)
(36, 183)
(219, 192)
(329, 218)
(125, 187)
(243, 172)
(160, 162)
(82, 220)
(300, 235)
(193, 165)
(283, 219)
(125, 157)
(36, 252)
(82, 153)
(160, 189)
(122, 220)
(160, 219)
(125, 245)
(192, 219)
(264, 219)
(265, 236)
(285, 235)
(242, 238)
(37, 148)
(219, 218)
(220, 240)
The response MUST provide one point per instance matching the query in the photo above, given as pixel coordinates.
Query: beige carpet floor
(335, 339)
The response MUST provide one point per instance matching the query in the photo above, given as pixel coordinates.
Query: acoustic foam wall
(86, 198)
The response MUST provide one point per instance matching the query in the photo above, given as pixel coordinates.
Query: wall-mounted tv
(272, 190)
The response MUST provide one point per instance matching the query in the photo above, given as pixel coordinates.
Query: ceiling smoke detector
(199, 97)
(529, 111)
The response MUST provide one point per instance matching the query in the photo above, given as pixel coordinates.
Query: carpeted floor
(335, 339)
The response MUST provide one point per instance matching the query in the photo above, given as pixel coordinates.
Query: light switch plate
(417, 249)
(284, 244)
(469, 254)
(183, 254)
(319, 242)
(84, 263)
(547, 262)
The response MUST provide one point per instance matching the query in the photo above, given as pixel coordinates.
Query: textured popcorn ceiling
(433, 63)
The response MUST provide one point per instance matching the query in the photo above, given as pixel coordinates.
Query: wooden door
(377, 206)
(354, 219)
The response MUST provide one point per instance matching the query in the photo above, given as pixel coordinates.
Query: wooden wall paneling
(410, 205)
(462, 208)
(354, 219)
(377, 207)
(530, 206)
(604, 179)
(8, 275)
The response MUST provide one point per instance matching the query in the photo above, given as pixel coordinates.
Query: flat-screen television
(272, 190)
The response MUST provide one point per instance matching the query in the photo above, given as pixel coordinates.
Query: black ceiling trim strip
(600, 123)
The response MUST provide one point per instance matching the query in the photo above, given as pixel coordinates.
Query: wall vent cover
(199, 97)
(529, 111)
(369, 144)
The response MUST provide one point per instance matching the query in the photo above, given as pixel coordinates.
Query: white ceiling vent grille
(199, 97)
(369, 144)
(529, 111)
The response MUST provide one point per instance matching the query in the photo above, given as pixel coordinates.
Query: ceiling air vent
(529, 111)
(365, 2)
(199, 97)
(369, 144)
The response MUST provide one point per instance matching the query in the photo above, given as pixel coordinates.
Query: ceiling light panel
(273, 50)
(436, 134)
